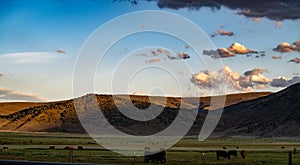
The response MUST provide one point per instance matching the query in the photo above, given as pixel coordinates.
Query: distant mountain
(61, 116)
(275, 115)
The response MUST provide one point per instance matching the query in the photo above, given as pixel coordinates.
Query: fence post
(71, 154)
(290, 158)
(133, 158)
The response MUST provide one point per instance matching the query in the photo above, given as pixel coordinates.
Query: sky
(42, 42)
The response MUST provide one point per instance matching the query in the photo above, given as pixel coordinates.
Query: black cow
(232, 152)
(155, 157)
(223, 154)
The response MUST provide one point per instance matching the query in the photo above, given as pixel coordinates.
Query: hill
(275, 115)
(61, 116)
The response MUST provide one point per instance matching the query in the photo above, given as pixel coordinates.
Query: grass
(34, 146)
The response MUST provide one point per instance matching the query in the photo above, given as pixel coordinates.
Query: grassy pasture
(35, 147)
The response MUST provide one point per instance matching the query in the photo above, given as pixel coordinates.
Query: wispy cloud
(8, 94)
(30, 57)
(277, 57)
(222, 32)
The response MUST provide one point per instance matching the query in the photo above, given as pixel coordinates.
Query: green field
(35, 147)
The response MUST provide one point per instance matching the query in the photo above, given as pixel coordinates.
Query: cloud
(257, 20)
(158, 53)
(297, 44)
(240, 49)
(281, 81)
(232, 50)
(277, 57)
(278, 24)
(153, 60)
(295, 60)
(256, 71)
(141, 54)
(274, 10)
(187, 46)
(260, 79)
(61, 51)
(29, 57)
(247, 82)
(222, 33)
(8, 94)
(256, 76)
(285, 47)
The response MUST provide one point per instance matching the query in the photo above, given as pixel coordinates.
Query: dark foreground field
(35, 147)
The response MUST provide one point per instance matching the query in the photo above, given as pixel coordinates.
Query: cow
(243, 154)
(223, 154)
(5, 148)
(80, 148)
(155, 157)
(52, 147)
(69, 148)
(232, 152)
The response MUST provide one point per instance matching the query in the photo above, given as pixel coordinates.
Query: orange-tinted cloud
(257, 20)
(232, 50)
(240, 49)
(278, 24)
(187, 46)
(61, 51)
(247, 82)
(222, 33)
(153, 60)
(285, 47)
(142, 54)
(277, 57)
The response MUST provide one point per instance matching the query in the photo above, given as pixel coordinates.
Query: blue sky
(31, 31)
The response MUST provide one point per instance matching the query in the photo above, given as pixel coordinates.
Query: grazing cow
(243, 154)
(80, 148)
(5, 148)
(223, 154)
(282, 147)
(224, 148)
(69, 148)
(232, 152)
(52, 147)
(155, 157)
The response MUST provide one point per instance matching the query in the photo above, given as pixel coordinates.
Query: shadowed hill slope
(61, 116)
(275, 115)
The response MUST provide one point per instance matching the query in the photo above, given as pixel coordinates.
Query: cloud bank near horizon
(248, 82)
(8, 94)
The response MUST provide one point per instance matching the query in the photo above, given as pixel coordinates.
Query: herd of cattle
(225, 154)
(160, 156)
